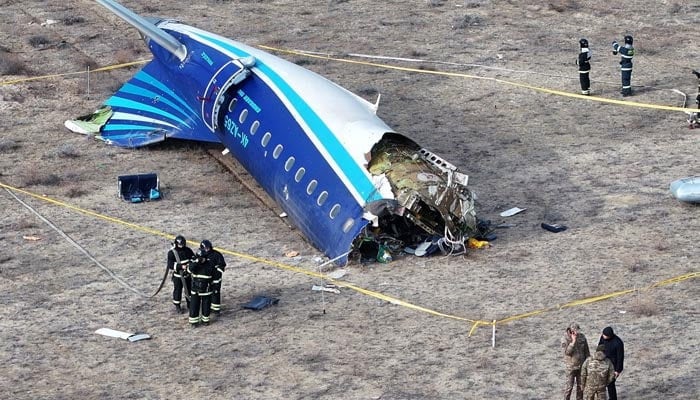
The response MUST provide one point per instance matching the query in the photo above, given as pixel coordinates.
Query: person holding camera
(626, 53)
(575, 348)
(201, 269)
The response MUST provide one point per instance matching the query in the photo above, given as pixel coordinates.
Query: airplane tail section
(144, 111)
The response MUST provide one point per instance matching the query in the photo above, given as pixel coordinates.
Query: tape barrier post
(493, 334)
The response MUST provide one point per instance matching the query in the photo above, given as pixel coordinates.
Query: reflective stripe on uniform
(207, 277)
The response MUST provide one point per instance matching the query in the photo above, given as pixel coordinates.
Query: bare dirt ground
(601, 169)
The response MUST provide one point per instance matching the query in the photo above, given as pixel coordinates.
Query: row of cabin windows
(289, 164)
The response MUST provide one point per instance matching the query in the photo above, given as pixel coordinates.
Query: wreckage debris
(554, 227)
(686, 189)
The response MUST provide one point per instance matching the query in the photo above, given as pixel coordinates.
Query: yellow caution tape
(475, 323)
(107, 68)
(462, 75)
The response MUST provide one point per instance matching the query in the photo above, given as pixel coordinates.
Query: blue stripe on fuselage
(346, 163)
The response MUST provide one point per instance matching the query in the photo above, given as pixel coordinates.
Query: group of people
(626, 52)
(591, 375)
(199, 277)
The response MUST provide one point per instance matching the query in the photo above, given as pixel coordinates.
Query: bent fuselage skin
(307, 141)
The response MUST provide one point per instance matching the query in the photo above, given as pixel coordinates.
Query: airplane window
(232, 104)
(322, 198)
(243, 116)
(289, 164)
(278, 151)
(348, 224)
(300, 174)
(335, 211)
(311, 186)
(254, 127)
(266, 139)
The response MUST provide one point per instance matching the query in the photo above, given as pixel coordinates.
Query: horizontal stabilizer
(144, 111)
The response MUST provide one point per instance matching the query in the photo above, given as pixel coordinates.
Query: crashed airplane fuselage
(337, 170)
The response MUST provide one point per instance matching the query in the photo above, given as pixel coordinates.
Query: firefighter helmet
(583, 43)
(180, 241)
(628, 39)
(205, 246)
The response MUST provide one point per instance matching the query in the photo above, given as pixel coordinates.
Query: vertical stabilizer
(148, 29)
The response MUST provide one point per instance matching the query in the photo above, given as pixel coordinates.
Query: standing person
(575, 347)
(694, 118)
(584, 67)
(596, 373)
(615, 351)
(178, 258)
(219, 267)
(201, 270)
(626, 54)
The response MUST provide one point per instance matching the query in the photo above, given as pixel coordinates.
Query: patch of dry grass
(644, 306)
(66, 150)
(35, 176)
(8, 145)
(563, 5)
(10, 64)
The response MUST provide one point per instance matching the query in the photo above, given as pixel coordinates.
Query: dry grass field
(600, 168)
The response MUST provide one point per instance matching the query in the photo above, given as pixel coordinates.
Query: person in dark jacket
(202, 270)
(178, 258)
(584, 67)
(615, 352)
(626, 52)
(694, 118)
(219, 267)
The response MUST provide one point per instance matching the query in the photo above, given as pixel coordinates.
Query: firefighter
(584, 67)
(694, 118)
(219, 267)
(178, 258)
(626, 54)
(201, 269)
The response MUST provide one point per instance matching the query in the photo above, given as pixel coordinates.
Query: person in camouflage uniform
(575, 348)
(596, 373)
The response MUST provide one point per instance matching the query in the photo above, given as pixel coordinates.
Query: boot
(696, 73)
(178, 309)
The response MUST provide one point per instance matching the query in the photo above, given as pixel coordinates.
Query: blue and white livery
(338, 171)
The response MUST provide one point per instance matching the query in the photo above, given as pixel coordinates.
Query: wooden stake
(493, 334)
